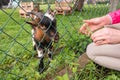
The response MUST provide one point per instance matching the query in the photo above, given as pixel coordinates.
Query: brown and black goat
(44, 32)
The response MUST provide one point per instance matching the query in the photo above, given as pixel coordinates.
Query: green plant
(64, 77)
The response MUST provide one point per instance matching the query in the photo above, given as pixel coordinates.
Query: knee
(90, 51)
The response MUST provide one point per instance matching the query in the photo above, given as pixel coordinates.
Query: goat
(44, 33)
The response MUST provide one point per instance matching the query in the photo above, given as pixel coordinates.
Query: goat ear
(53, 12)
(31, 23)
(50, 11)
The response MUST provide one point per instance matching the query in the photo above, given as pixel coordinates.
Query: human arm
(111, 34)
(115, 16)
(105, 35)
(99, 22)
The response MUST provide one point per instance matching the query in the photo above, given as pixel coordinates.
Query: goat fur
(44, 33)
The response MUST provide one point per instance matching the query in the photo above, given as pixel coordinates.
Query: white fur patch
(33, 41)
(50, 52)
(40, 53)
(33, 37)
(49, 16)
(32, 31)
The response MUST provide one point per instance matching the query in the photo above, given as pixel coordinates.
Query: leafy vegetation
(17, 58)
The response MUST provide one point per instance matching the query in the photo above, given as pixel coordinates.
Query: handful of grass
(88, 29)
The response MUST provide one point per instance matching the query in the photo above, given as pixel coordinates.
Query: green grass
(17, 59)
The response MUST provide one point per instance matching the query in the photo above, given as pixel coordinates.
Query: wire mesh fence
(18, 59)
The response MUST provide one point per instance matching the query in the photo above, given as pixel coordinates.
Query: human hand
(94, 24)
(106, 36)
(90, 25)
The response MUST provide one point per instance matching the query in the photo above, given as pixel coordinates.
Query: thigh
(104, 50)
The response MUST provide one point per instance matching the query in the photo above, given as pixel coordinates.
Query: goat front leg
(34, 43)
(40, 52)
(50, 54)
(41, 65)
(41, 57)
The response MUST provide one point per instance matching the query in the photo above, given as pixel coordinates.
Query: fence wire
(18, 59)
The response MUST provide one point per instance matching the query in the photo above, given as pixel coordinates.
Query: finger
(101, 42)
(93, 36)
(98, 33)
(101, 38)
(83, 28)
(97, 43)
(97, 37)
(88, 21)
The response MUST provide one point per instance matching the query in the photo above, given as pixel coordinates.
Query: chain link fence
(18, 59)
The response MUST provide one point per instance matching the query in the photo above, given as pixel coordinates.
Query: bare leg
(105, 55)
